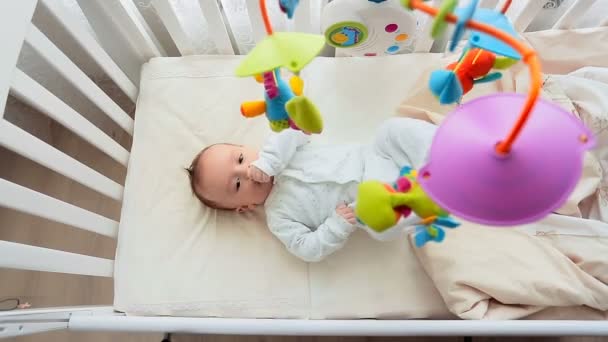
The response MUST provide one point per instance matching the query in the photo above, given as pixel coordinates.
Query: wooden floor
(47, 289)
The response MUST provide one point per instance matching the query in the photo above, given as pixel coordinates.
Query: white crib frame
(16, 28)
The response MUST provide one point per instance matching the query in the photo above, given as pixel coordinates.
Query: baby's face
(223, 175)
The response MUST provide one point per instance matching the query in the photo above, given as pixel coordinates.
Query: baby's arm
(278, 150)
(308, 245)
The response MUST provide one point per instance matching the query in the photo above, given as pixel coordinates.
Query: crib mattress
(176, 257)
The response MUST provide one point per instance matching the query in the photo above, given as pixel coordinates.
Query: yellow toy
(380, 206)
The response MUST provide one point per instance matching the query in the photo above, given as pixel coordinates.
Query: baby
(308, 191)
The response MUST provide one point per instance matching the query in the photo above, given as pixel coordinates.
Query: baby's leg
(405, 141)
(399, 142)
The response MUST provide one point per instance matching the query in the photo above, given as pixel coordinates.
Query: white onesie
(311, 181)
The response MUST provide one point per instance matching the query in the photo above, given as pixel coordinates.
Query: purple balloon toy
(466, 176)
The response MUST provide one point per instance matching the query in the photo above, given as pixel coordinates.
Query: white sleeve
(308, 245)
(278, 150)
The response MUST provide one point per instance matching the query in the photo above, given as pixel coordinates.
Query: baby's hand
(257, 175)
(347, 213)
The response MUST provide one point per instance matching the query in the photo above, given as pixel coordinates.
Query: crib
(123, 41)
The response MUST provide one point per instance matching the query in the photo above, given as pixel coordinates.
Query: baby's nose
(244, 170)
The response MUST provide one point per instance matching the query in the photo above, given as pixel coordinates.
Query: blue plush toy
(288, 7)
(284, 105)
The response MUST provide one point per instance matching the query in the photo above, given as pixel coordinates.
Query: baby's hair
(193, 175)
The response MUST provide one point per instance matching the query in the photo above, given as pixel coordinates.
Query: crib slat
(20, 198)
(77, 78)
(167, 14)
(134, 20)
(120, 38)
(316, 10)
(239, 25)
(32, 258)
(32, 93)
(257, 23)
(217, 26)
(27, 145)
(491, 4)
(572, 14)
(302, 18)
(15, 20)
(92, 47)
(125, 15)
(388, 329)
(424, 41)
(523, 17)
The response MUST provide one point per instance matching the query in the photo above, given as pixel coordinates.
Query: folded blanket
(500, 273)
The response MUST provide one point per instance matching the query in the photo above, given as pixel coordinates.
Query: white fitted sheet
(176, 257)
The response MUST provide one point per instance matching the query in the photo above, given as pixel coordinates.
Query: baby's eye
(241, 159)
(238, 184)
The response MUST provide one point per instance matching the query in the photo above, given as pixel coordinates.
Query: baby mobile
(283, 103)
(479, 169)
(482, 54)
(483, 166)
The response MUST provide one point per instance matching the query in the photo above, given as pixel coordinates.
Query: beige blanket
(556, 268)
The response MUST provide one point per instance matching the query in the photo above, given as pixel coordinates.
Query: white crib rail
(522, 16)
(32, 321)
(27, 145)
(210, 13)
(307, 19)
(424, 42)
(290, 327)
(20, 198)
(255, 17)
(32, 93)
(303, 18)
(123, 33)
(231, 23)
(51, 53)
(17, 16)
(573, 13)
(25, 257)
(167, 14)
(17, 29)
(92, 47)
(217, 26)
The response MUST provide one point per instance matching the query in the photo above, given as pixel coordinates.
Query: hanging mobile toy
(473, 67)
(476, 62)
(480, 170)
(284, 105)
(380, 206)
(288, 7)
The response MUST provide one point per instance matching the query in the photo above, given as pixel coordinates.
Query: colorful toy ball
(469, 178)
